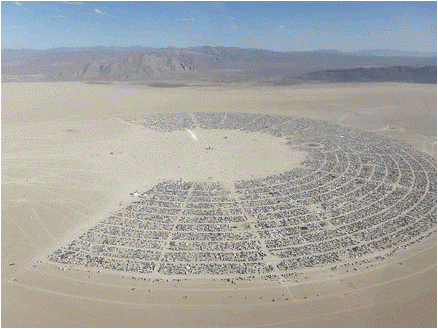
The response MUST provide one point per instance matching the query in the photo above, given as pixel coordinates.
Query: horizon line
(222, 46)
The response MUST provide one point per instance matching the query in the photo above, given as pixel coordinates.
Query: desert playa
(74, 154)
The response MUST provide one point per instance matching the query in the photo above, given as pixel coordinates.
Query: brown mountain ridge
(212, 64)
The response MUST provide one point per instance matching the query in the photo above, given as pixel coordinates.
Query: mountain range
(213, 64)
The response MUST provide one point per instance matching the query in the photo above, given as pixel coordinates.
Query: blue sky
(283, 26)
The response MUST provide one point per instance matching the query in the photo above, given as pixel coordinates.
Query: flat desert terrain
(69, 161)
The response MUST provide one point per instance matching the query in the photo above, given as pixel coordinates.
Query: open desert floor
(69, 161)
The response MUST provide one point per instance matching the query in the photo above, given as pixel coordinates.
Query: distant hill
(215, 64)
(16, 53)
(381, 52)
(393, 53)
(426, 74)
(94, 64)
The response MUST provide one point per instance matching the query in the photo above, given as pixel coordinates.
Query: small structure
(134, 193)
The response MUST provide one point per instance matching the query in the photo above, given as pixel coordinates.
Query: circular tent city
(265, 196)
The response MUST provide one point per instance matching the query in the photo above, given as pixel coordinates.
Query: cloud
(233, 26)
(17, 3)
(184, 19)
(98, 11)
(281, 26)
(58, 16)
(17, 27)
(76, 3)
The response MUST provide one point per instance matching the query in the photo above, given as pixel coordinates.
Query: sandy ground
(68, 161)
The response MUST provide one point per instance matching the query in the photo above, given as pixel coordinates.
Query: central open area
(212, 155)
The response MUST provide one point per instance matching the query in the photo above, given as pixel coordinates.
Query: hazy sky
(284, 26)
